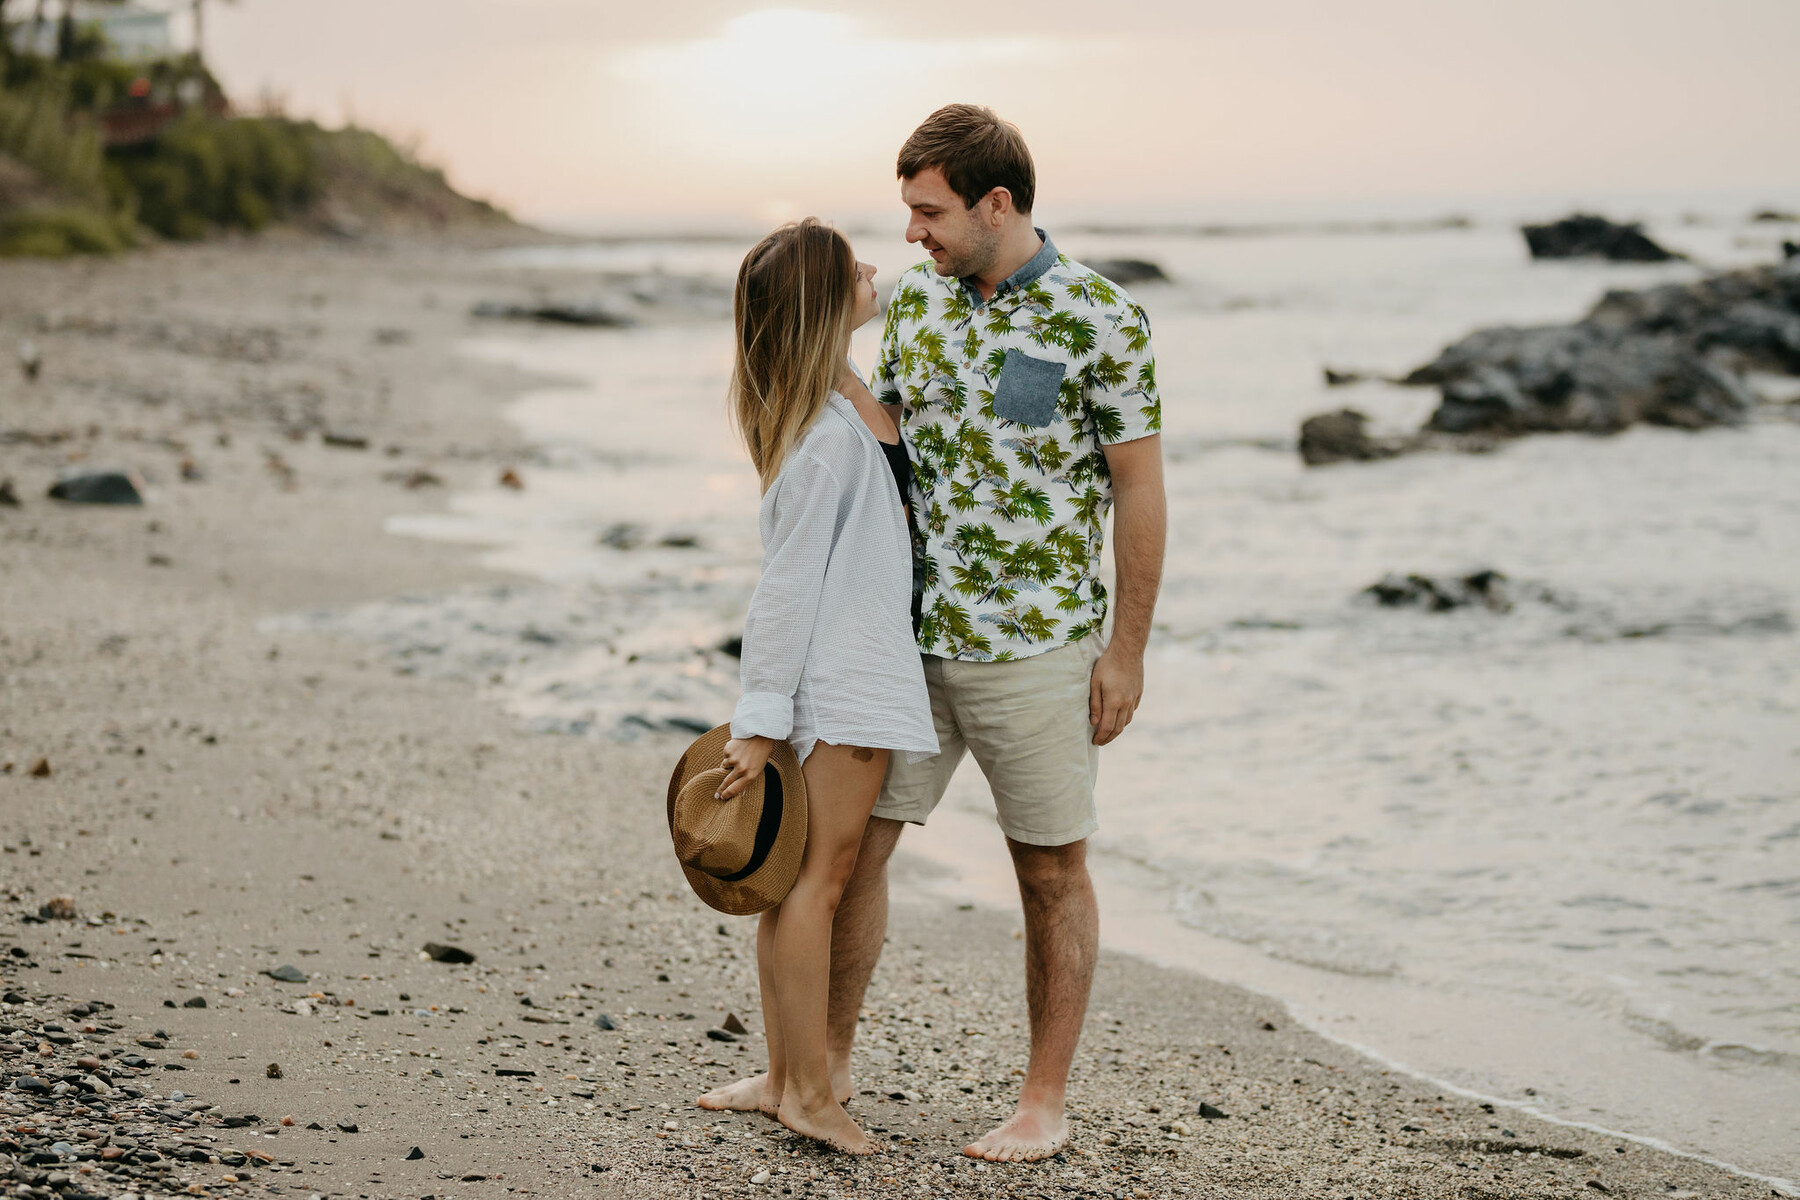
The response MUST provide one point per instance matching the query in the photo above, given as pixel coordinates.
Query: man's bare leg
(1062, 940)
(857, 935)
(856, 940)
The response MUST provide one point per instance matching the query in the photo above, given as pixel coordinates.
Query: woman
(829, 661)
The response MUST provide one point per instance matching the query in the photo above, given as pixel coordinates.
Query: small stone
(194, 1002)
(287, 973)
(623, 536)
(273, 1070)
(414, 1154)
(1269, 1026)
(515, 1072)
(314, 1125)
(347, 1127)
(62, 908)
(604, 1022)
(731, 1024)
(190, 1054)
(8, 497)
(31, 1083)
(721, 1035)
(191, 472)
(344, 441)
(286, 1121)
(97, 487)
(760, 1178)
(509, 478)
(438, 952)
(1210, 1113)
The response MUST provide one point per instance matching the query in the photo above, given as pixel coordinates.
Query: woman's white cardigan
(828, 643)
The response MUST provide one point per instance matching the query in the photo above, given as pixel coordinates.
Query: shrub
(201, 172)
(58, 232)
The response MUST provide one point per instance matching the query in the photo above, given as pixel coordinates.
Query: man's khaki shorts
(1026, 723)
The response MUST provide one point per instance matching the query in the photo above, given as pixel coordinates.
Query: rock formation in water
(1669, 355)
(1124, 271)
(1342, 436)
(1585, 235)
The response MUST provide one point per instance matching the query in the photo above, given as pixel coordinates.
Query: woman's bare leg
(842, 783)
(759, 1093)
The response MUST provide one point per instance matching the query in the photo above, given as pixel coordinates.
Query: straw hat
(740, 855)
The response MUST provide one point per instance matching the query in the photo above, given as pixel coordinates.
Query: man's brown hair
(976, 151)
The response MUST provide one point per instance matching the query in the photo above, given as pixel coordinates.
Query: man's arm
(1140, 527)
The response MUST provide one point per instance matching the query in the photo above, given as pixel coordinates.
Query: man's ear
(996, 206)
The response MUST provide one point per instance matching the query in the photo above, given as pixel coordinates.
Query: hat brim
(769, 883)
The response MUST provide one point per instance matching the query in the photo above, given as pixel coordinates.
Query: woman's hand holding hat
(744, 760)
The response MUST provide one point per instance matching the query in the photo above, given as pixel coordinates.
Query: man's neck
(1018, 247)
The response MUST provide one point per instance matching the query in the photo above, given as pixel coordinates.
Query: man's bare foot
(829, 1124)
(746, 1095)
(1030, 1135)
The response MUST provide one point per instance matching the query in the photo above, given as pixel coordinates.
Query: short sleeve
(1119, 384)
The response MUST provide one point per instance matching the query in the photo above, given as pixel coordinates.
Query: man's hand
(744, 761)
(1114, 690)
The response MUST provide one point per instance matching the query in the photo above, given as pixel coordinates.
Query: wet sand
(228, 797)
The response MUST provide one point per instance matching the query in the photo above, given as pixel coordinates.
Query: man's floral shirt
(1005, 406)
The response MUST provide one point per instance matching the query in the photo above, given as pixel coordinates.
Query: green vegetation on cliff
(97, 154)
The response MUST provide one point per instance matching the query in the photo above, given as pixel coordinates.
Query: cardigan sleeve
(779, 626)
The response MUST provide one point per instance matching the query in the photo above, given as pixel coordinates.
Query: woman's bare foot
(746, 1095)
(829, 1124)
(1030, 1135)
(754, 1095)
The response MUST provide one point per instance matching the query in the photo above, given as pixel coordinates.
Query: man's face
(961, 243)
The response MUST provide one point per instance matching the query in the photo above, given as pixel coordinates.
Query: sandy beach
(222, 798)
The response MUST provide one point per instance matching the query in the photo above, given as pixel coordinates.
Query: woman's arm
(779, 626)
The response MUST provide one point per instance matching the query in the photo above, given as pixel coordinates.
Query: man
(1027, 396)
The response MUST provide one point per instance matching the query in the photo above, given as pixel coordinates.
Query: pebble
(438, 952)
(760, 1178)
(287, 973)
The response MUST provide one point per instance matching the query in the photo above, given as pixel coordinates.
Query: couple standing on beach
(932, 541)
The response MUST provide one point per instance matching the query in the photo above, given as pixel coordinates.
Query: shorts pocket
(1028, 389)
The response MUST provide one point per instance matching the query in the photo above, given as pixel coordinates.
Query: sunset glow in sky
(576, 112)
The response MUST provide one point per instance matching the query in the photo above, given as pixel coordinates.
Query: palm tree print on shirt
(1012, 516)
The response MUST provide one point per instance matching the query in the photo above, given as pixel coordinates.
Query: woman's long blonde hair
(795, 294)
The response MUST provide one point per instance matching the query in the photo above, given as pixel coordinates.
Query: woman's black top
(903, 474)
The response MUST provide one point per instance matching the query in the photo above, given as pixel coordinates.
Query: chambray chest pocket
(1028, 389)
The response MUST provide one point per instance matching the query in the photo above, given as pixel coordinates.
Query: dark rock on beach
(1124, 271)
(98, 487)
(590, 316)
(1585, 235)
(439, 952)
(1342, 436)
(1485, 589)
(1790, 249)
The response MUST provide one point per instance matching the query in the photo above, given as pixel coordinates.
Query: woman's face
(864, 306)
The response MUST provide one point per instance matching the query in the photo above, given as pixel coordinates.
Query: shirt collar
(1024, 277)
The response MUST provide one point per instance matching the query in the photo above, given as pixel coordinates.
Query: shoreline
(1485, 1043)
(252, 799)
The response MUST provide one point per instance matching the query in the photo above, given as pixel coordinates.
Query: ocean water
(1550, 855)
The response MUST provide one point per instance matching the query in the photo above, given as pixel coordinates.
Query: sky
(593, 113)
